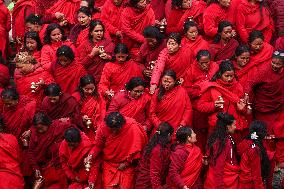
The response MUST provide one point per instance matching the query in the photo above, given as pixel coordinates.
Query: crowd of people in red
(173, 94)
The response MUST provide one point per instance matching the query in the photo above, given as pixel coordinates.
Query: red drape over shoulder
(279, 44)
(221, 51)
(173, 16)
(79, 34)
(195, 46)
(158, 7)
(263, 57)
(245, 73)
(5, 26)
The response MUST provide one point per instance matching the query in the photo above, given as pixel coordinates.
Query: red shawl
(279, 44)
(4, 75)
(158, 7)
(79, 34)
(133, 24)
(18, 119)
(5, 26)
(263, 57)
(174, 108)
(10, 174)
(68, 77)
(116, 75)
(245, 73)
(173, 17)
(220, 51)
(195, 46)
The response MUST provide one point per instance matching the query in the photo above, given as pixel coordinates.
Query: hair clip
(159, 132)
(254, 136)
(277, 53)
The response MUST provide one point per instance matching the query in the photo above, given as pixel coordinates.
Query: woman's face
(186, 4)
(64, 61)
(121, 57)
(172, 46)
(73, 145)
(277, 64)
(232, 128)
(54, 99)
(83, 19)
(243, 59)
(56, 35)
(136, 92)
(256, 45)
(40, 128)
(98, 33)
(192, 137)
(204, 63)
(117, 2)
(226, 34)
(228, 76)
(9, 103)
(192, 33)
(225, 3)
(141, 5)
(31, 44)
(152, 42)
(89, 89)
(168, 82)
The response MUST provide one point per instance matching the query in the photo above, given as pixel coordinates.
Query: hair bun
(221, 115)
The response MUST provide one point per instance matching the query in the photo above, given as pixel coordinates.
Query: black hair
(52, 89)
(42, 118)
(162, 91)
(175, 36)
(133, 3)
(85, 10)
(91, 5)
(259, 128)
(134, 82)
(182, 134)
(188, 24)
(161, 137)
(85, 80)
(49, 29)
(221, 26)
(10, 93)
(279, 54)
(177, 4)
(93, 24)
(202, 53)
(255, 34)
(33, 19)
(115, 120)
(33, 35)
(2, 125)
(226, 65)
(220, 134)
(65, 51)
(153, 32)
(241, 49)
(72, 135)
(121, 48)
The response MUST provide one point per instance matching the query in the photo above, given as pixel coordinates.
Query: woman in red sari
(4, 75)
(279, 44)
(116, 74)
(53, 39)
(96, 51)
(93, 106)
(5, 26)
(133, 102)
(222, 155)
(254, 164)
(154, 164)
(72, 151)
(175, 57)
(10, 174)
(133, 21)
(34, 23)
(254, 15)
(79, 33)
(224, 45)
(33, 45)
(186, 161)
(192, 39)
(66, 71)
(170, 103)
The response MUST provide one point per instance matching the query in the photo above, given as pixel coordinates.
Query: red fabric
(174, 108)
(221, 51)
(48, 53)
(133, 24)
(42, 32)
(4, 75)
(18, 119)
(245, 73)
(158, 7)
(116, 75)
(10, 174)
(5, 26)
(249, 18)
(279, 45)
(173, 17)
(263, 56)
(178, 62)
(68, 77)
(195, 46)
(185, 167)
(137, 109)
(79, 34)
(94, 65)
(72, 161)
(250, 175)
(42, 6)
(68, 8)
(275, 8)
(224, 173)
(22, 9)
(152, 170)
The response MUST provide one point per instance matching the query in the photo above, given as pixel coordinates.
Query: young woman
(93, 106)
(116, 74)
(34, 23)
(154, 164)
(33, 45)
(186, 161)
(66, 70)
(170, 103)
(255, 165)
(53, 39)
(133, 102)
(224, 45)
(175, 57)
(222, 155)
(96, 51)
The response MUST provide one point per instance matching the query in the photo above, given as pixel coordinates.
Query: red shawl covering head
(219, 51)
(79, 34)
(195, 46)
(263, 57)
(4, 75)
(246, 72)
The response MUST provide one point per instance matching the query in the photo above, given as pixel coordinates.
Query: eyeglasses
(277, 53)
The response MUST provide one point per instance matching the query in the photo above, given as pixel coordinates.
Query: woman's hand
(219, 103)
(38, 174)
(95, 51)
(153, 87)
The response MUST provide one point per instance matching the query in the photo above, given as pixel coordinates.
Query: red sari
(10, 174)
(245, 73)
(279, 44)
(158, 7)
(195, 46)
(220, 51)
(250, 18)
(117, 149)
(5, 26)
(79, 34)
(173, 16)
(72, 161)
(263, 57)
(174, 108)
(4, 76)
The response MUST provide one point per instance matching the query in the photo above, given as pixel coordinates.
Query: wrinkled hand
(95, 51)
(26, 134)
(38, 174)
(147, 72)
(153, 88)
(88, 159)
(219, 103)
(241, 104)
(109, 94)
(104, 56)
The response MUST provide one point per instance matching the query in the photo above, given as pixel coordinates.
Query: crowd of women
(141, 94)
